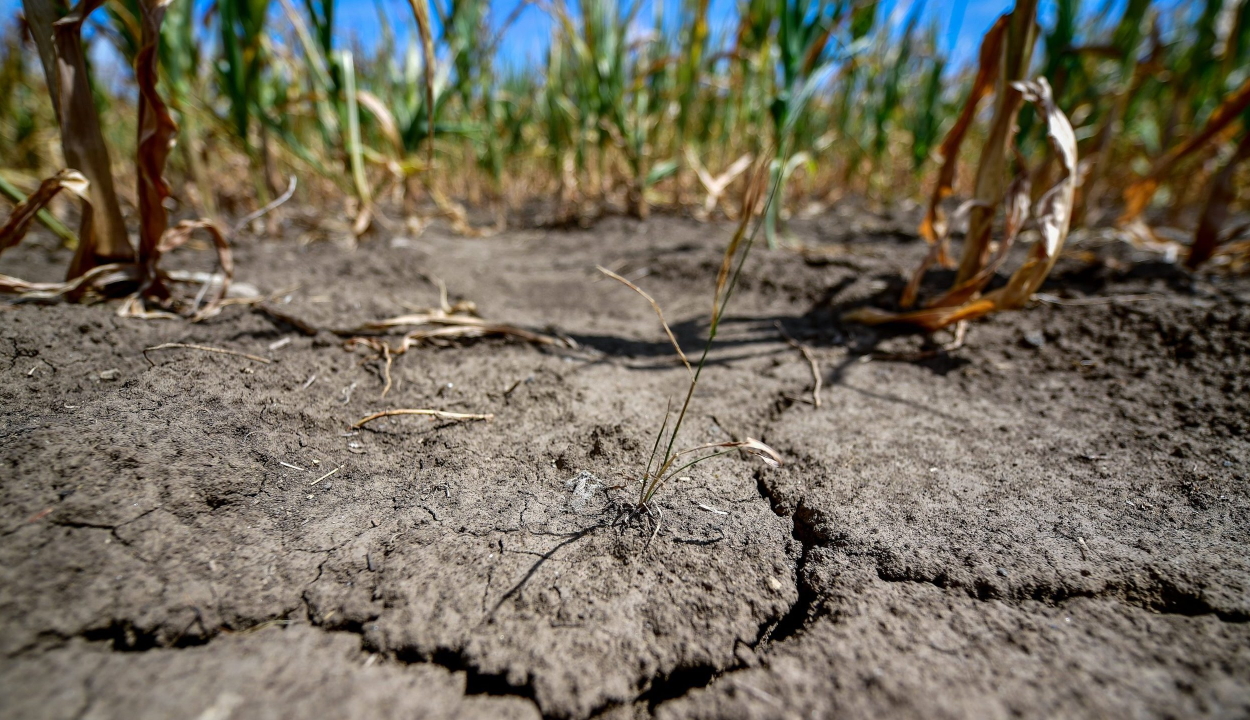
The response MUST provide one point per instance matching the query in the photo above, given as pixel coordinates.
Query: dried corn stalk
(1052, 213)
(421, 11)
(933, 228)
(1139, 194)
(156, 138)
(58, 36)
(1017, 50)
(24, 212)
(1215, 211)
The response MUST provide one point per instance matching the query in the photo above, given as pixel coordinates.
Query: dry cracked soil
(1052, 521)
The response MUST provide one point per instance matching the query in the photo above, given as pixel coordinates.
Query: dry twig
(811, 361)
(386, 369)
(436, 414)
(205, 348)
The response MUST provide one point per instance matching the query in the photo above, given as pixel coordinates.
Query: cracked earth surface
(1052, 522)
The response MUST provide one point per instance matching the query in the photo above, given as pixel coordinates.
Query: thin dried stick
(386, 369)
(323, 477)
(1082, 302)
(440, 414)
(811, 361)
(205, 348)
(260, 298)
(655, 306)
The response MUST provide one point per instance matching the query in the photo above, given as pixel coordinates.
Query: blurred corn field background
(634, 107)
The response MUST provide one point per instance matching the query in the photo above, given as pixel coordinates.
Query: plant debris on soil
(1049, 520)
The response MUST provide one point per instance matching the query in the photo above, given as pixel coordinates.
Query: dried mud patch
(1052, 521)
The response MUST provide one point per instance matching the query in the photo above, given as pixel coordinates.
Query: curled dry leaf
(1053, 213)
(993, 162)
(750, 446)
(16, 227)
(754, 447)
(156, 138)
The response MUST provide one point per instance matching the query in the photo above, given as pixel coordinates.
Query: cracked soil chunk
(913, 650)
(270, 673)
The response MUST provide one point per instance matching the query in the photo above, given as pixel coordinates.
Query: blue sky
(961, 24)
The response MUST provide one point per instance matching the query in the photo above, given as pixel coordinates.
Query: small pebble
(1002, 572)
(1034, 339)
(110, 374)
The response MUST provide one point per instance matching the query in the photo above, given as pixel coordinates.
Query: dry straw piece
(432, 414)
(806, 352)
(654, 306)
(203, 348)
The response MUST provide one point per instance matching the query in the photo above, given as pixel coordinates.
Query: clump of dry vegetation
(104, 256)
(1004, 58)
